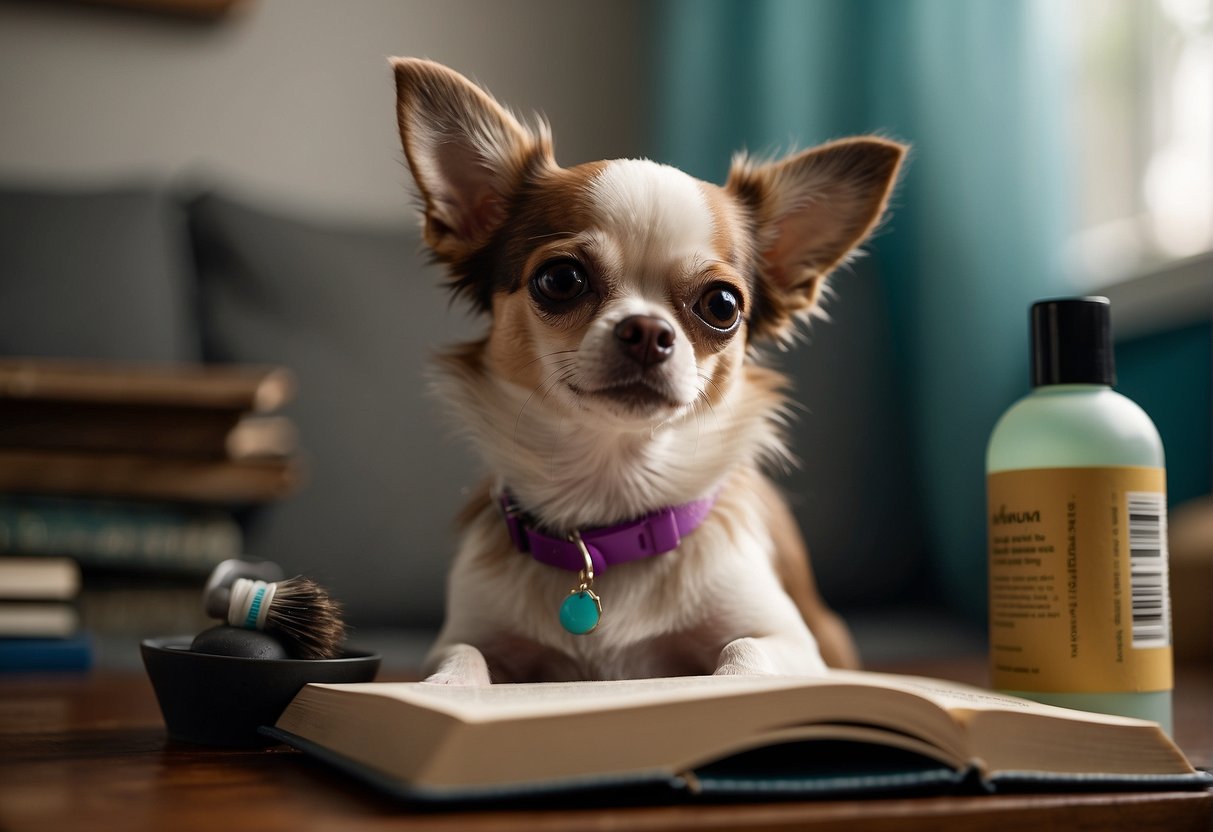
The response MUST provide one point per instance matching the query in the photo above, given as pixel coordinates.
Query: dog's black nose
(645, 339)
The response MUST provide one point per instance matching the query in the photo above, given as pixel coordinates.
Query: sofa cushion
(355, 314)
(95, 274)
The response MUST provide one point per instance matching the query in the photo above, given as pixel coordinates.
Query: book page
(961, 700)
(546, 699)
(1006, 733)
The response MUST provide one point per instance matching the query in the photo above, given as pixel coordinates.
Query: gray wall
(291, 100)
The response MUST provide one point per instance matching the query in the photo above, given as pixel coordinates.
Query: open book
(847, 732)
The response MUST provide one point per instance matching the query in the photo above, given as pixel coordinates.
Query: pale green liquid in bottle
(1076, 426)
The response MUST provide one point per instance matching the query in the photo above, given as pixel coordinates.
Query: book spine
(38, 579)
(38, 425)
(23, 655)
(221, 482)
(155, 431)
(222, 386)
(38, 619)
(111, 534)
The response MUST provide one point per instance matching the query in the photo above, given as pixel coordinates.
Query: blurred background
(216, 181)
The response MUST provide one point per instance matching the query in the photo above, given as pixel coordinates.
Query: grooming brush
(297, 611)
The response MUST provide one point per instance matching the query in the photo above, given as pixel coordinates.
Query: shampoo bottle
(1079, 594)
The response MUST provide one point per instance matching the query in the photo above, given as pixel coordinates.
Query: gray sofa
(151, 273)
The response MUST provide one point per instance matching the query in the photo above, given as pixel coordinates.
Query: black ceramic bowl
(223, 700)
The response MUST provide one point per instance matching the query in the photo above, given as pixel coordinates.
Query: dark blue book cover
(32, 655)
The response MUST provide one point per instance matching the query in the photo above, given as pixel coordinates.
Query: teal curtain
(976, 231)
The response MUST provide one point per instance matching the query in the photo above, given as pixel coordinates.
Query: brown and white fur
(613, 382)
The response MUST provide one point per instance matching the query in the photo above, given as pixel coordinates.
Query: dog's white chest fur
(666, 615)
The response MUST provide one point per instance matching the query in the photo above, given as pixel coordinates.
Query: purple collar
(653, 534)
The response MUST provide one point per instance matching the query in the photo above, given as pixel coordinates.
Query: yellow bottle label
(1079, 597)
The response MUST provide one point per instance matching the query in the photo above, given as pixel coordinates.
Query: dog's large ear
(810, 211)
(467, 153)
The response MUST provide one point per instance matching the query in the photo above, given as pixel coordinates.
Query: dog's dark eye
(560, 281)
(719, 307)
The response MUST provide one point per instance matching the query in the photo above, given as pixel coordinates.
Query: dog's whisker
(563, 378)
(704, 405)
(697, 415)
(723, 399)
(555, 377)
(548, 355)
(552, 457)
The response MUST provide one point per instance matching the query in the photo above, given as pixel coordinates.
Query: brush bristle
(307, 619)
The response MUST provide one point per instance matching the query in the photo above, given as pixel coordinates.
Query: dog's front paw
(459, 680)
(460, 664)
(769, 656)
(744, 657)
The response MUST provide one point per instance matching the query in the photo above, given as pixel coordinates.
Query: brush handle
(216, 596)
(250, 603)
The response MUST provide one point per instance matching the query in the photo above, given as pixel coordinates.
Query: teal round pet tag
(580, 612)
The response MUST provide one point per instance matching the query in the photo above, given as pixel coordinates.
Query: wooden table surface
(89, 752)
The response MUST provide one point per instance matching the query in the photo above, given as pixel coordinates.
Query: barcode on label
(1148, 569)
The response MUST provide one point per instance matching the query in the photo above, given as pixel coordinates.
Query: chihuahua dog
(627, 529)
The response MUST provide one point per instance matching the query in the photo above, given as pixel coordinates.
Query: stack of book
(136, 473)
(39, 626)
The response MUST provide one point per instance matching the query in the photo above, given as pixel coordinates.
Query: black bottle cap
(1072, 342)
